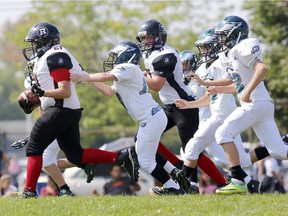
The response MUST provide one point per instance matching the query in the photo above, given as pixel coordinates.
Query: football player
(61, 110)
(247, 72)
(221, 105)
(131, 89)
(164, 75)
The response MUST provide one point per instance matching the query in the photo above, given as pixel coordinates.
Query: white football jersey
(166, 63)
(221, 105)
(133, 93)
(204, 112)
(54, 58)
(242, 58)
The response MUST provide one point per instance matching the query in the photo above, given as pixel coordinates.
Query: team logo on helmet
(60, 61)
(42, 32)
(161, 28)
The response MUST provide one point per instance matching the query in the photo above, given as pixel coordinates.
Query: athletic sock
(187, 170)
(34, 167)
(261, 152)
(168, 154)
(164, 163)
(246, 177)
(237, 173)
(207, 165)
(95, 155)
(65, 187)
(160, 174)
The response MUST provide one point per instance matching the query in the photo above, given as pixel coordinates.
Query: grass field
(149, 205)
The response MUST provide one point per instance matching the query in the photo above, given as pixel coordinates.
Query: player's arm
(103, 88)
(221, 82)
(164, 66)
(96, 77)
(229, 89)
(260, 71)
(201, 102)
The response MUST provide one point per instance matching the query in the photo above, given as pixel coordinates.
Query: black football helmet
(123, 52)
(208, 45)
(190, 59)
(42, 37)
(232, 29)
(151, 28)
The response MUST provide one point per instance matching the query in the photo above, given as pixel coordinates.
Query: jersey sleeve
(59, 65)
(122, 73)
(164, 65)
(249, 52)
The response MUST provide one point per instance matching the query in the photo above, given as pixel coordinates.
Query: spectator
(14, 170)
(4, 161)
(206, 185)
(119, 184)
(272, 180)
(51, 188)
(6, 187)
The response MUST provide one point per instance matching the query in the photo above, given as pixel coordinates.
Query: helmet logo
(161, 28)
(42, 32)
(60, 61)
(255, 49)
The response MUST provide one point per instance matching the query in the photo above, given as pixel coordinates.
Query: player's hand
(181, 103)
(37, 90)
(245, 97)
(20, 143)
(80, 77)
(196, 78)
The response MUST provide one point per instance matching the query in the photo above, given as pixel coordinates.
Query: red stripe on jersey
(61, 74)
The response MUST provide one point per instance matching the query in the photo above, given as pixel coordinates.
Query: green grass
(244, 205)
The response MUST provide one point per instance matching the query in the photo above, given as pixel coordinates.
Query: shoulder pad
(59, 60)
(164, 64)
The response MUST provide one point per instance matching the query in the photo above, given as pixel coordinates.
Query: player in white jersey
(221, 105)
(190, 65)
(164, 75)
(61, 111)
(131, 89)
(257, 110)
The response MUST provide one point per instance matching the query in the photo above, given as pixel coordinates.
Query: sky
(11, 10)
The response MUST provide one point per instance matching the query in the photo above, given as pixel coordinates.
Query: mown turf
(244, 205)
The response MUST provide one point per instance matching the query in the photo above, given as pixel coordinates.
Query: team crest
(161, 28)
(166, 60)
(255, 49)
(42, 32)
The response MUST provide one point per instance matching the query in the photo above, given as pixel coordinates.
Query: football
(28, 101)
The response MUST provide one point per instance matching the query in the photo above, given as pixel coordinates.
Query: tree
(269, 23)
(89, 29)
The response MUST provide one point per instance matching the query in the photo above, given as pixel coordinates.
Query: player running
(247, 72)
(61, 109)
(164, 75)
(221, 105)
(131, 89)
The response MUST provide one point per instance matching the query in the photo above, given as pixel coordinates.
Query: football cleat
(128, 159)
(193, 188)
(167, 191)
(29, 194)
(232, 188)
(90, 172)
(285, 139)
(179, 177)
(65, 193)
(20, 143)
(254, 186)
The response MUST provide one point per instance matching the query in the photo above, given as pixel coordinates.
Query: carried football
(28, 101)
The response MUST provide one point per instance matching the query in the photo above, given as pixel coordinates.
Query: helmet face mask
(151, 36)
(123, 52)
(42, 37)
(208, 45)
(232, 30)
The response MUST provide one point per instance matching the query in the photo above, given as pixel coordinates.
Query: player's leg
(238, 121)
(148, 137)
(187, 121)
